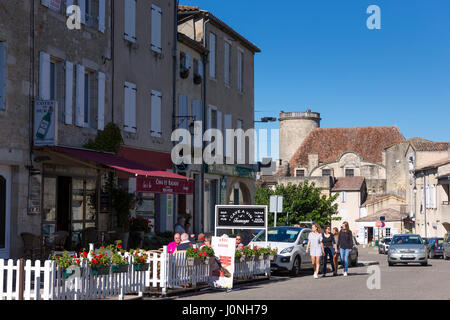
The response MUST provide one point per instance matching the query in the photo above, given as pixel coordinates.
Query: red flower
(94, 261)
(102, 247)
(100, 256)
(119, 246)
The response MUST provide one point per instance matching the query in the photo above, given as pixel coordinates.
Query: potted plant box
(141, 266)
(193, 261)
(119, 268)
(100, 270)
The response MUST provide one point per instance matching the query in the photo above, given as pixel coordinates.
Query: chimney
(313, 161)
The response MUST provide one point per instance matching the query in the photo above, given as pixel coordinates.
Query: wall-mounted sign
(164, 185)
(35, 195)
(45, 131)
(230, 170)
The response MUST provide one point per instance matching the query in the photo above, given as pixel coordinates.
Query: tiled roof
(331, 143)
(375, 198)
(390, 214)
(348, 184)
(221, 24)
(420, 144)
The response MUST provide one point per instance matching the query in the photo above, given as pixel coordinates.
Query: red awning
(155, 159)
(148, 179)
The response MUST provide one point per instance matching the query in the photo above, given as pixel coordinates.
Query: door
(5, 207)
(306, 257)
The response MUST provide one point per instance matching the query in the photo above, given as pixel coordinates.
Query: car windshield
(440, 242)
(387, 240)
(407, 239)
(279, 235)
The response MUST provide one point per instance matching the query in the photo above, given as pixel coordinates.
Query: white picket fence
(45, 281)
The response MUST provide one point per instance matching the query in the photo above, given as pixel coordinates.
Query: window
(343, 196)
(326, 172)
(388, 232)
(87, 101)
(349, 172)
(198, 67)
(212, 55)
(130, 20)
(299, 173)
(240, 66)
(2, 75)
(184, 64)
(227, 62)
(156, 29)
(57, 92)
(91, 13)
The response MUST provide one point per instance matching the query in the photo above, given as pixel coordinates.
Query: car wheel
(424, 263)
(390, 264)
(431, 254)
(296, 267)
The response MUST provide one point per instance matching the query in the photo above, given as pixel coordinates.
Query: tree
(303, 202)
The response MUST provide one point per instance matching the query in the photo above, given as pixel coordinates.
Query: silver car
(446, 246)
(407, 248)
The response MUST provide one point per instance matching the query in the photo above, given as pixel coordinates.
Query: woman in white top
(315, 247)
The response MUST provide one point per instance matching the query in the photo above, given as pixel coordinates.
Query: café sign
(164, 185)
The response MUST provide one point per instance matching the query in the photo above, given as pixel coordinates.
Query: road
(408, 282)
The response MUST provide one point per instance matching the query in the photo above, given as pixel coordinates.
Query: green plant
(237, 254)
(65, 260)
(139, 256)
(248, 252)
(99, 258)
(192, 252)
(117, 253)
(122, 202)
(109, 140)
(206, 251)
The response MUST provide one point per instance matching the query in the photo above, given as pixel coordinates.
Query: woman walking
(345, 243)
(329, 248)
(316, 246)
(336, 253)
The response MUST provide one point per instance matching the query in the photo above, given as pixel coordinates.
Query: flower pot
(141, 266)
(119, 268)
(193, 261)
(100, 270)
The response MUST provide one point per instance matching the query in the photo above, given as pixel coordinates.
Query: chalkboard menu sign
(241, 217)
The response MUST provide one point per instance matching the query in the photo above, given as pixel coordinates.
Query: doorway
(369, 234)
(63, 203)
(5, 205)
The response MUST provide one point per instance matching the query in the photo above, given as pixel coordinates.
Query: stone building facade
(228, 92)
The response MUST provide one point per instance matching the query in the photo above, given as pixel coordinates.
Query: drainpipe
(174, 89)
(425, 202)
(202, 173)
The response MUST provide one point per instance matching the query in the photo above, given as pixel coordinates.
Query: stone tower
(294, 128)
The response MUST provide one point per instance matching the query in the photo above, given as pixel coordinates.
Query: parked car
(383, 246)
(407, 248)
(434, 247)
(291, 244)
(446, 249)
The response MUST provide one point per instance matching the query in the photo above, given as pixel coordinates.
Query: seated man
(185, 243)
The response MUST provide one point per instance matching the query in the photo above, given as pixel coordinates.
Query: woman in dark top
(329, 247)
(345, 244)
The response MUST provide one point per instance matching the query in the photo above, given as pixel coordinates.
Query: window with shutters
(57, 85)
(156, 42)
(156, 109)
(2, 75)
(130, 107)
(183, 119)
(92, 13)
(212, 55)
(130, 20)
(299, 172)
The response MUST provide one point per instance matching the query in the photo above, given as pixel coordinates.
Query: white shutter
(79, 114)
(228, 123)
(82, 5)
(101, 101)
(130, 20)
(130, 107)
(69, 93)
(239, 65)
(227, 63)
(156, 28)
(101, 15)
(44, 76)
(45, 3)
(2, 75)
(212, 55)
(156, 102)
(219, 120)
(434, 196)
(197, 109)
(183, 112)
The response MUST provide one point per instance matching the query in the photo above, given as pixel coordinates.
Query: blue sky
(320, 55)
